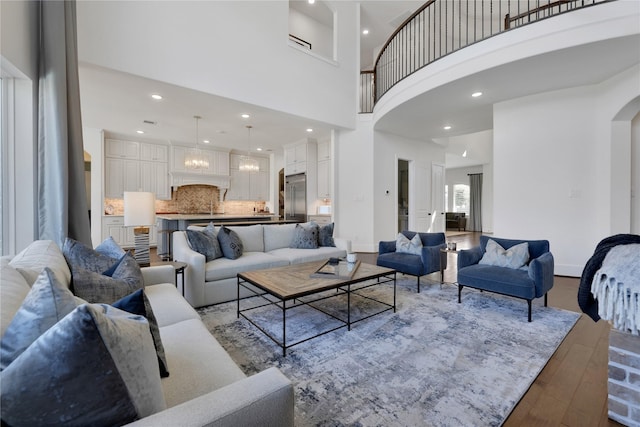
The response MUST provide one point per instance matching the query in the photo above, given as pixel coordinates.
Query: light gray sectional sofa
(265, 246)
(205, 386)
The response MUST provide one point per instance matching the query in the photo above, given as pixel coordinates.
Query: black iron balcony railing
(441, 27)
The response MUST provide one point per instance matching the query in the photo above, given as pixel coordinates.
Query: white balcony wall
(234, 49)
(554, 161)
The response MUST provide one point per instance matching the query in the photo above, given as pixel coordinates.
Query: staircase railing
(441, 27)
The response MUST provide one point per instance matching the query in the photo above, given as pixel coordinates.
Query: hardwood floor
(572, 388)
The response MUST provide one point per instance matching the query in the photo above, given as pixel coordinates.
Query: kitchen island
(170, 222)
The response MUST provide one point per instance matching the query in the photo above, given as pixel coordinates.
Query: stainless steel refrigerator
(295, 197)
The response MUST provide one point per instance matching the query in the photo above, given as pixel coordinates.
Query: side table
(179, 268)
(443, 260)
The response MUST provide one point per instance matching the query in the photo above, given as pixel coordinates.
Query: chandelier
(194, 158)
(247, 163)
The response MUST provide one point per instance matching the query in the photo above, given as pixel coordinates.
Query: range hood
(190, 178)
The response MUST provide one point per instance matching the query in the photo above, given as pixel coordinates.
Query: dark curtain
(62, 205)
(475, 202)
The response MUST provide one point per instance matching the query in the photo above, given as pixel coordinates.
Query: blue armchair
(528, 283)
(416, 265)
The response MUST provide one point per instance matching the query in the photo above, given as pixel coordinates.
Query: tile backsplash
(193, 199)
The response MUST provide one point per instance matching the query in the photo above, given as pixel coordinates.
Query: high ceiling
(119, 102)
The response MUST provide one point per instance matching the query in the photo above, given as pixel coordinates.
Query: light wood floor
(572, 388)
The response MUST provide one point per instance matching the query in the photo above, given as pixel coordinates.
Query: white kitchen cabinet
(245, 185)
(259, 185)
(324, 179)
(121, 175)
(296, 158)
(238, 185)
(153, 152)
(218, 161)
(154, 177)
(121, 149)
(324, 150)
(114, 226)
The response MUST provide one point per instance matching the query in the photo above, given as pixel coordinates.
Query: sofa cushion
(252, 237)
(13, 291)
(168, 305)
(205, 367)
(205, 242)
(305, 236)
(298, 256)
(402, 262)
(515, 257)
(230, 243)
(99, 288)
(97, 366)
(47, 302)
(224, 268)
(38, 255)
(509, 281)
(406, 246)
(277, 236)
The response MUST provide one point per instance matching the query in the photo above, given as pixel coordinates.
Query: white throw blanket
(616, 286)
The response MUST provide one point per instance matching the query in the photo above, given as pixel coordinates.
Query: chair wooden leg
(529, 303)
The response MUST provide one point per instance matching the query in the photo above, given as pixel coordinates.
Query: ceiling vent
(149, 122)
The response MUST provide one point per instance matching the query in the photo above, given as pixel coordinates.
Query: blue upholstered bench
(533, 281)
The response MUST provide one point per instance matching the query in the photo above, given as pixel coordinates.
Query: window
(461, 194)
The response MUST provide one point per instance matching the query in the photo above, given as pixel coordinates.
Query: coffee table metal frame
(294, 300)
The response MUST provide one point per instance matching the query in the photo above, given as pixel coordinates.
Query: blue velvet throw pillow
(205, 242)
(230, 243)
(138, 303)
(515, 257)
(110, 248)
(305, 236)
(325, 235)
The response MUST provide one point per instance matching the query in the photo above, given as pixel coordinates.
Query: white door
(437, 198)
(422, 219)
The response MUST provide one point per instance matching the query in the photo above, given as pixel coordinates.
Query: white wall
(635, 175)
(421, 154)
(235, 49)
(552, 167)
(320, 36)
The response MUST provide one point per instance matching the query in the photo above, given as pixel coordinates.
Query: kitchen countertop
(204, 216)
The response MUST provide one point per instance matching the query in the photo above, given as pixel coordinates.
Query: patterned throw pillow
(79, 255)
(205, 242)
(96, 366)
(325, 235)
(515, 257)
(230, 243)
(305, 236)
(404, 245)
(47, 302)
(100, 288)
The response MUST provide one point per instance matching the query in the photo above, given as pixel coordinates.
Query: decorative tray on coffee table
(340, 270)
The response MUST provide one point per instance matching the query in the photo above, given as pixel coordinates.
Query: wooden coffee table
(291, 286)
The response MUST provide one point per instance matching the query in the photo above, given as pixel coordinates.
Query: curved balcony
(441, 27)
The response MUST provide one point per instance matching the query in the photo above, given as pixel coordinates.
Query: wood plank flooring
(572, 388)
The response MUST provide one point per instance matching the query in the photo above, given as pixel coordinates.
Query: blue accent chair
(532, 282)
(414, 265)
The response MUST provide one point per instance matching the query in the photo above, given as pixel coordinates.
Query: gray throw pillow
(99, 288)
(305, 236)
(110, 248)
(205, 242)
(47, 302)
(325, 235)
(96, 366)
(230, 243)
(82, 256)
(515, 257)
(404, 245)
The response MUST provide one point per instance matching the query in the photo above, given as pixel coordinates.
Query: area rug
(432, 363)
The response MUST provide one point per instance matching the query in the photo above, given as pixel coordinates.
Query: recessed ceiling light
(140, 131)
(447, 127)
(206, 141)
(259, 148)
(309, 130)
(245, 116)
(464, 154)
(365, 31)
(476, 94)
(156, 96)
(312, 1)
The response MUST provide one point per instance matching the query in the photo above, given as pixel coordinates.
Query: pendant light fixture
(195, 159)
(247, 163)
